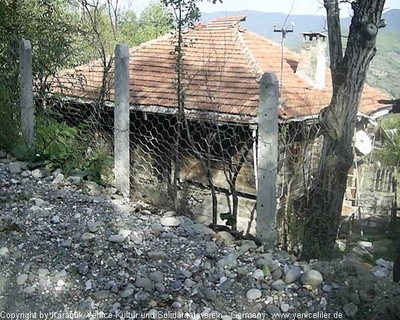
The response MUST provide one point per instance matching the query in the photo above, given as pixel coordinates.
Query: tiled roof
(222, 65)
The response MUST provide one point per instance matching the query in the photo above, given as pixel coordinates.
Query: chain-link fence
(213, 157)
(218, 159)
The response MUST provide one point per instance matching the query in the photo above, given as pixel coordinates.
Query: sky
(299, 6)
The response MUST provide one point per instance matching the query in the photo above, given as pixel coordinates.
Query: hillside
(385, 68)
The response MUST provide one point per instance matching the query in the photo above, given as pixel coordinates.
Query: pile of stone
(80, 249)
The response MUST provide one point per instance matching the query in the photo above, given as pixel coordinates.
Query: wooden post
(26, 90)
(122, 120)
(267, 157)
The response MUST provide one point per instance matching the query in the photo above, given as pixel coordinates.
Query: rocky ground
(67, 247)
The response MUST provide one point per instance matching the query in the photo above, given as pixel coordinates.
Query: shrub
(9, 121)
(57, 143)
(390, 153)
(99, 163)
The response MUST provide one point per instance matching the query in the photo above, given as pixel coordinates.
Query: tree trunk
(396, 268)
(338, 121)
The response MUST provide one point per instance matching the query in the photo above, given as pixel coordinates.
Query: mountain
(392, 18)
(385, 68)
(263, 24)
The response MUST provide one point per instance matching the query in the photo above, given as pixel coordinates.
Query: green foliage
(390, 153)
(64, 34)
(155, 20)
(22, 152)
(294, 226)
(9, 121)
(49, 26)
(58, 144)
(98, 164)
(229, 217)
(23, 196)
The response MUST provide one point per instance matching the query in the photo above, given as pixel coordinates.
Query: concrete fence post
(26, 90)
(121, 120)
(267, 158)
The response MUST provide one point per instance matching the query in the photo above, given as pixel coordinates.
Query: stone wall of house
(377, 194)
(296, 168)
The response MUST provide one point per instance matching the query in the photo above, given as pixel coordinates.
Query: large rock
(157, 255)
(227, 237)
(120, 237)
(228, 261)
(285, 307)
(365, 244)
(76, 180)
(293, 275)
(277, 274)
(14, 167)
(92, 226)
(211, 248)
(37, 173)
(381, 272)
(59, 177)
(157, 229)
(170, 222)
(21, 279)
(312, 278)
(258, 274)
(253, 294)
(210, 294)
(272, 310)
(199, 228)
(145, 283)
(3, 251)
(87, 236)
(350, 310)
(384, 263)
(156, 276)
(101, 295)
(129, 291)
(39, 202)
(279, 285)
(247, 245)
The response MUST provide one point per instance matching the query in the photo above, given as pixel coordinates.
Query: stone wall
(376, 194)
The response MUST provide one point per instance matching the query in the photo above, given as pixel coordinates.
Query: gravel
(103, 254)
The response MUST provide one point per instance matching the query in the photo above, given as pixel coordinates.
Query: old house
(222, 63)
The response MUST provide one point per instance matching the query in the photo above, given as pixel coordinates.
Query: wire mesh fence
(83, 122)
(206, 160)
(217, 158)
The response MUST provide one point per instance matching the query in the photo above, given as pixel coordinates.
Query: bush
(57, 143)
(98, 164)
(9, 122)
(390, 153)
(73, 150)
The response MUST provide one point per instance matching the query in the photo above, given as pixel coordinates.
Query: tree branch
(335, 38)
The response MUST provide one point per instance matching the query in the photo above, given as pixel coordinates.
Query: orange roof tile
(222, 65)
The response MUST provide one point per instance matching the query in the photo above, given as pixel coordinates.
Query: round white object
(363, 143)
